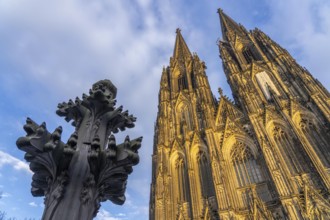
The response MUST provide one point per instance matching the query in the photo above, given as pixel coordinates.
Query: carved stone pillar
(90, 168)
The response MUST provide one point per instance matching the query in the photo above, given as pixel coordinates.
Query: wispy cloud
(33, 204)
(81, 42)
(5, 195)
(7, 159)
(304, 27)
(105, 215)
(60, 48)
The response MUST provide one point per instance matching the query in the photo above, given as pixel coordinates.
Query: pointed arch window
(180, 182)
(318, 138)
(186, 118)
(200, 116)
(266, 84)
(193, 80)
(245, 165)
(248, 55)
(182, 82)
(205, 174)
(293, 155)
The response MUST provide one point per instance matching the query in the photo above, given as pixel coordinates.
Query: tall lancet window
(186, 118)
(290, 151)
(193, 80)
(318, 139)
(248, 55)
(205, 174)
(182, 82)
(266, 84)
(180, 182)
(245, 165)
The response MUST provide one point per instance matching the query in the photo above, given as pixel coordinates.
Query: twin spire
(228, 25)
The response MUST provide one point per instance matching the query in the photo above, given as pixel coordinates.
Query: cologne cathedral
(264, 155)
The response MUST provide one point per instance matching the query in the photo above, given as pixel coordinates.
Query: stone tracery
(249, 158)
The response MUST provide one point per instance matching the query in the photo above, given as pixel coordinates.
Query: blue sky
(52, 51)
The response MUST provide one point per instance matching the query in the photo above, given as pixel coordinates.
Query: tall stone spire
(272, 90)
(181, 189)
(181, 50)
(230, 27)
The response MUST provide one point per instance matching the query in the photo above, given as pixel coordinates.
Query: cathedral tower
(182, 177)
(264, 156)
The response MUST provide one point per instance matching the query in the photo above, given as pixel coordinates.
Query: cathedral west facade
(265, 155)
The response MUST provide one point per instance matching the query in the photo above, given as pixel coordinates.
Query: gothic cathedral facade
(265, 155)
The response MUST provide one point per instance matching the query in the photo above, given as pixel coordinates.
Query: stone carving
(91, 167)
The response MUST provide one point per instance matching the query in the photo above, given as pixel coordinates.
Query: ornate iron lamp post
(90, 168)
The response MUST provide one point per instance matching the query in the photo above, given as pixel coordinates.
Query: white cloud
(303, 26)
(105, 215)
(60, 48)
(33, 204)
(63, 47)
(5, 195)
(85, 42)
(7, 159)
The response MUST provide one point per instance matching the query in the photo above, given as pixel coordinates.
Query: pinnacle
(181, 50)
(229, 25)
